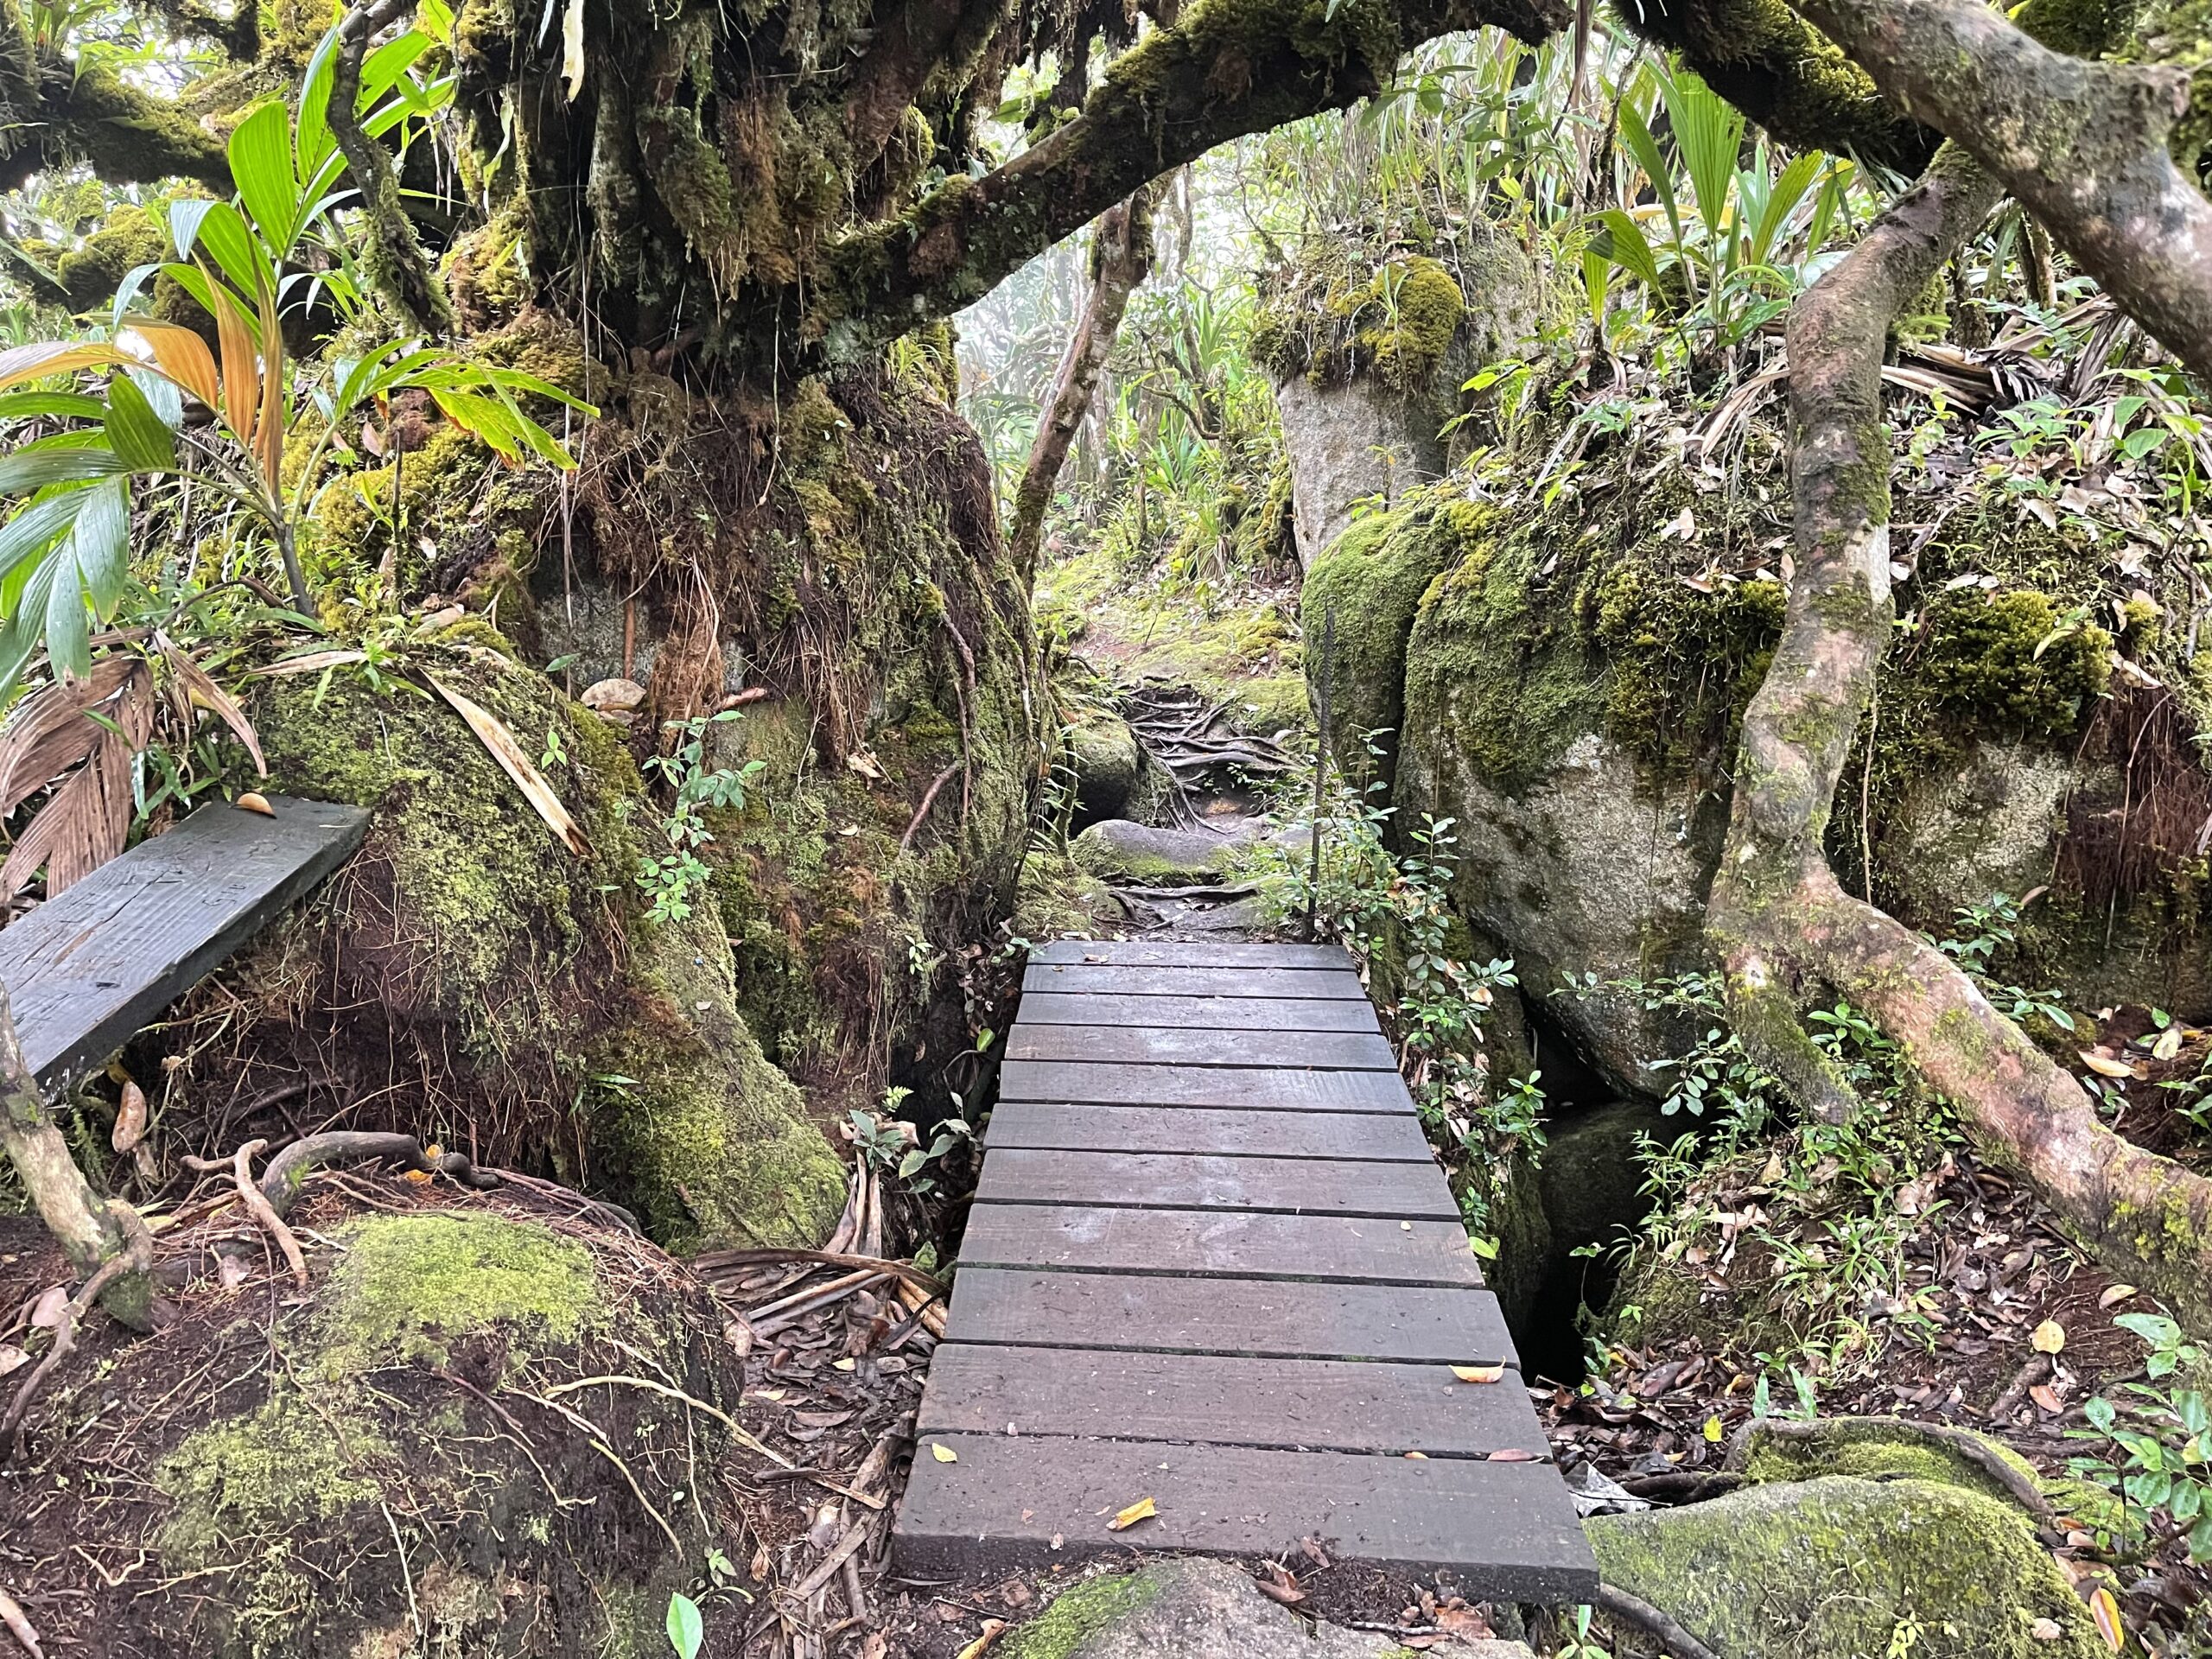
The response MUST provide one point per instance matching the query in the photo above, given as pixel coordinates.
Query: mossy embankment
(827, 592)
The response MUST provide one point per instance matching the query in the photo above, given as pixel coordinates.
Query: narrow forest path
(1215, 1296)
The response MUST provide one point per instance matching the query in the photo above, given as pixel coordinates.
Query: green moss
(408, 1285)
(2005, 659)
(1057, 896)
(1839, 1567)
(1869, 1449)
(263, 1474)
(1080, 1613)
(1361, 596)
(1405, 319)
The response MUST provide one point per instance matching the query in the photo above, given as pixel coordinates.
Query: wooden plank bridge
(1212, 1263)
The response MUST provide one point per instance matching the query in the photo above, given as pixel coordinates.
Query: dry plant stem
(1634, 1610)
(262, 1210)
(2082, 145)
(1121, 255)
(136, 1257)
(91, 1233)
(1778, 919)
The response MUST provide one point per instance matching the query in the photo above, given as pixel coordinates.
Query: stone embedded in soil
(1102, 750)
(1195, 1609)
(1144, 855)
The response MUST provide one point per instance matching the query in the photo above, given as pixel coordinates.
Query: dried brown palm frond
(86, 733)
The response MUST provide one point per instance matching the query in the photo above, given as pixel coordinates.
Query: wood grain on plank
(1287, 1319)
(1504, 1530)
(1340, 985)
(1180, 1181)
(1196, 1013)
(1231, 1243)
(1192, 953)
(1275, 1088)
(1384, 1137)
(86, 969)
(1227, 1401)
(1332, 1049)
(1223, 1244)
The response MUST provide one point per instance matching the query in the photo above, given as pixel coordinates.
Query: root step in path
(1211, 1262)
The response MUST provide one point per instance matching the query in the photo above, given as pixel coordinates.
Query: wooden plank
(85, 971)
(1343, 986)
(1388, 1137)
(1195, 1012)
(1192, 953)
(1505, 1531)
(1294, 1404)
(1332, 1050)
(1228, 1244)
(1271, 1088)
(1285, 1319)
(1174, 1181)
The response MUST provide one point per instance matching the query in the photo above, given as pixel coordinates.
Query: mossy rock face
(572, 1033)
(1104, 754)
(365, 1489)
(1838, 1568)
(1358, 610)
(1059, 896)
(1193, 1609)
(1141, 855)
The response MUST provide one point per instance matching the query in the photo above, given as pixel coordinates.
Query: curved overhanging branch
(2082, 145)
(1228, 68)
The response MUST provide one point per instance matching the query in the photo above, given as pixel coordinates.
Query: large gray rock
(1103, 750)
(1195, 1609)
(1349, 441)
(1143, 855)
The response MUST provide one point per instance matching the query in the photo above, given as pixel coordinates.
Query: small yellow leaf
(845, 1364)
(2050, 1337)
(434, 1151)
(2106, 1612)
(1712, 1430)
(420, 1176)
(981, 1645)
(2105, 1066)
(1418, 1457)
(2114, 1295)
(1142, 1509)
(943, 1453)
(254, 801)
(1479, 1373)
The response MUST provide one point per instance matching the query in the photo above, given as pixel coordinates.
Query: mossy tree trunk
(1779, 920)
(1120, 259)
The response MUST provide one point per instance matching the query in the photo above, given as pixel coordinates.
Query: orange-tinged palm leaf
(241, 405)
(200, 687)
(183, 356)
(22, 363)
(269, 434)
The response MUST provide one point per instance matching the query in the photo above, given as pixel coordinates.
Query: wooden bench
(87, 969)
(1212, 1262)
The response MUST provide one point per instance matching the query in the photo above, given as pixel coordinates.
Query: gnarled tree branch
(1229, 68)
(393, 256)
(921, 37)
(2082, 145)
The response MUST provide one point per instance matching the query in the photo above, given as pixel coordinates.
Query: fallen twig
(19, 1626)
(929, 799)
(262, 1210)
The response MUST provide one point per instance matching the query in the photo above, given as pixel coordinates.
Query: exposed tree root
(1779, 920)
(1957, 1441)
(280, 1182)
(257, 1205)
(136, 1257)
(1665, 1631)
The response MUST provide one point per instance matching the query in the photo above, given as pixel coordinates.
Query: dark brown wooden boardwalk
(1212, 1263)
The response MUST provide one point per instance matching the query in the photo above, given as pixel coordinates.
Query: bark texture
(1120, 259)
(2082, 145)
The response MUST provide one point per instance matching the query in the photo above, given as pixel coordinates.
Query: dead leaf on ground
(2106, 1612)
(307, 662)
(943, 1453)
(2050, 1338)
(2168, 1043)
(981, 1645)
(90, 729)
(492, 733)
(2114, 1295)
(254, 801)
(129, 1119)
(46, 1312)
(1142, 1509)
(1479, 1373)
(2046, 1399)
(2105, 1066)
(12, 1358)
(201, 692)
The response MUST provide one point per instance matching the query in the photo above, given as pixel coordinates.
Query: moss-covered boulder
(1839, 1567)
(1567, 669)
(1145, 855)
(410, 1457)
(1104, 754)
(504, 992)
